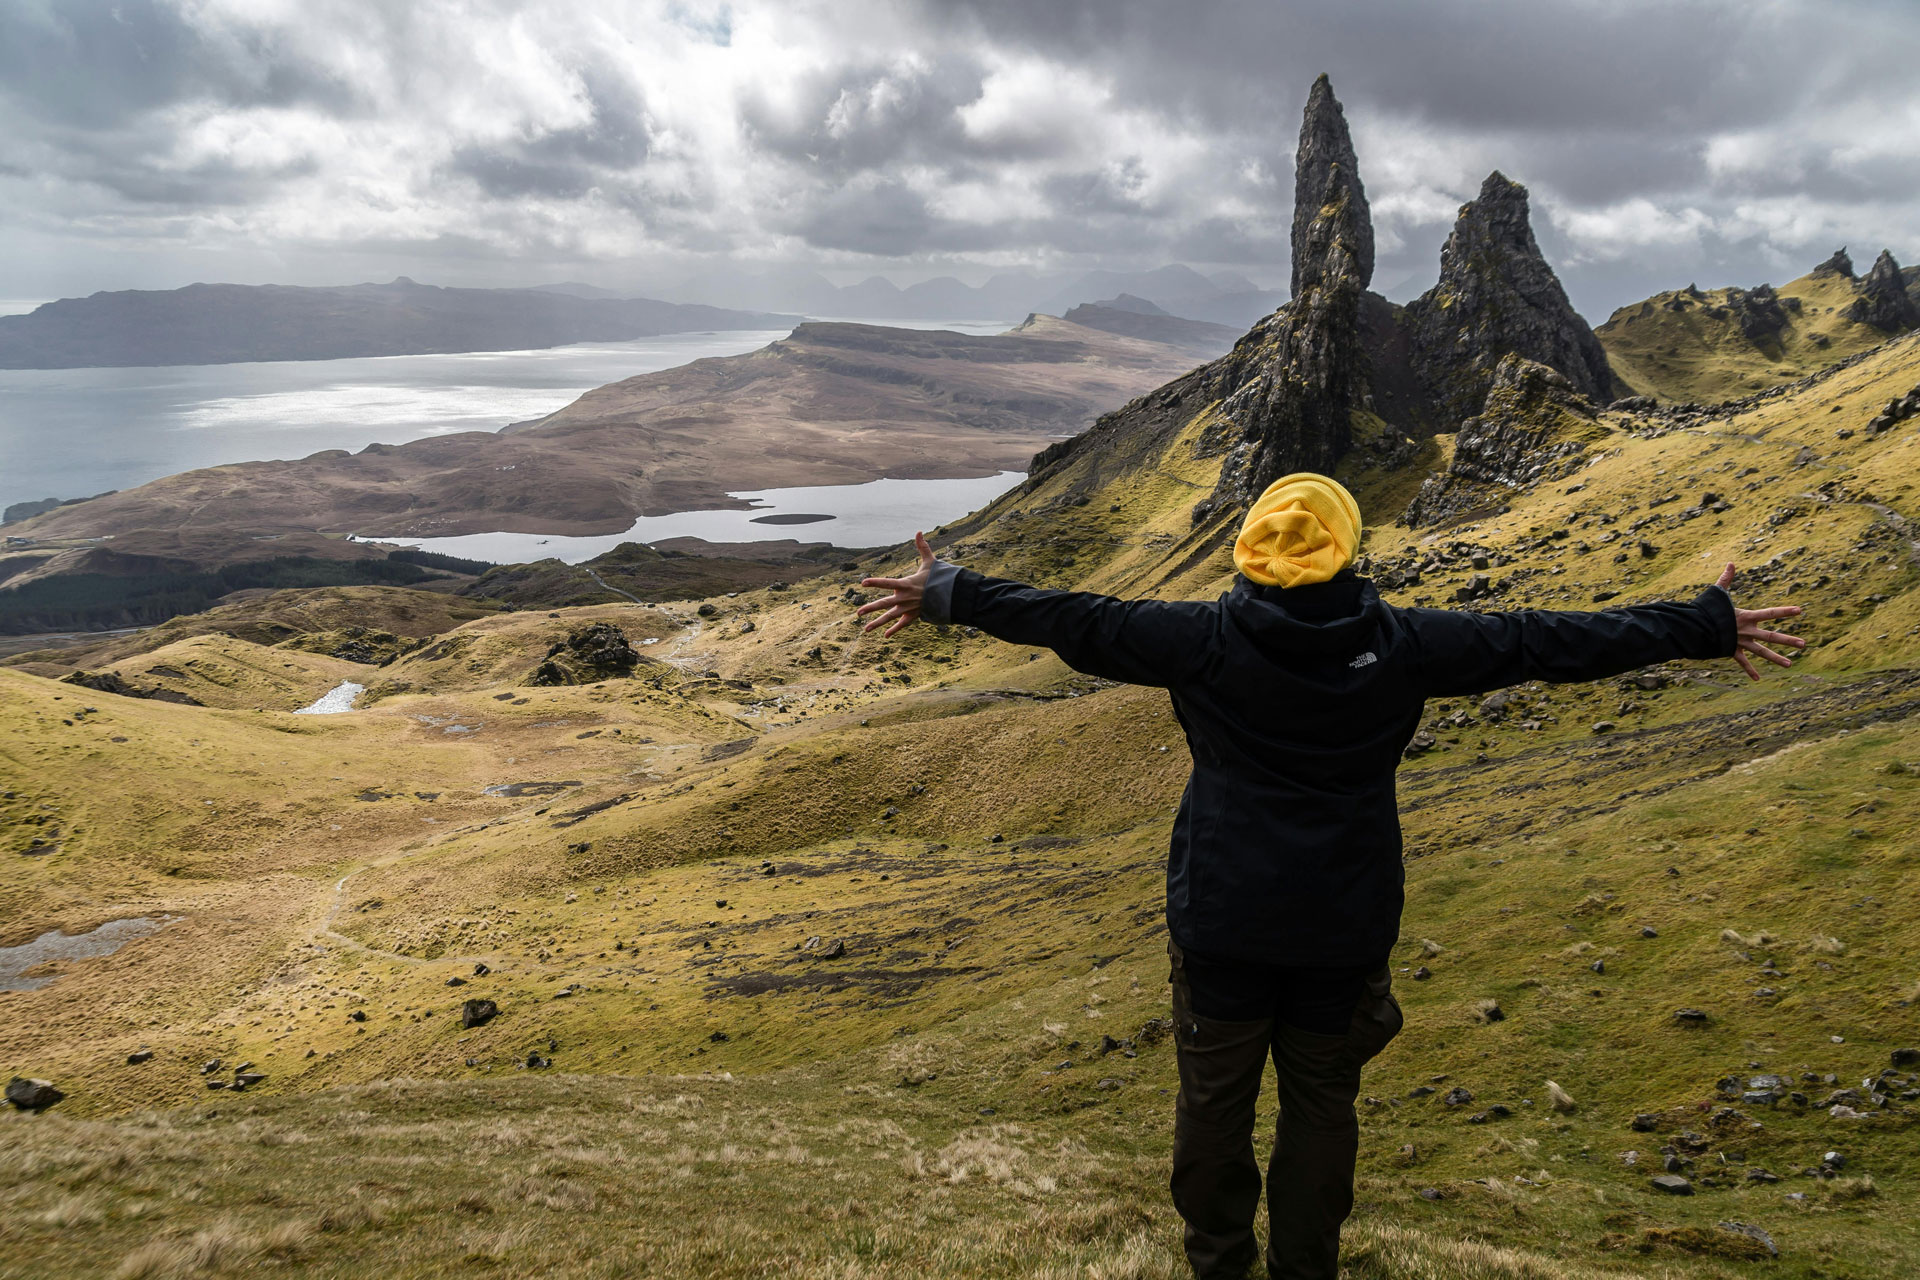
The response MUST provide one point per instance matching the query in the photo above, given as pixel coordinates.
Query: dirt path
(605, 586)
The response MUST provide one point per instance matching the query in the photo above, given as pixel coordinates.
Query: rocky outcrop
(596, 652)
(1497, 296)
(1838, 265)
(1883, 301)
(1288, 388)
(1759, 312)
(112, 682)
(1325, 168)
(1533, 426)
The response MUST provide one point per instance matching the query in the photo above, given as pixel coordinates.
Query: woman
(1298, 690)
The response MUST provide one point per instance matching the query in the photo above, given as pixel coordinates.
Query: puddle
(55, 945)
(333, 701)
(517, 789)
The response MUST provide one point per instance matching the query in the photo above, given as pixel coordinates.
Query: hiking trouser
(1319, 1026)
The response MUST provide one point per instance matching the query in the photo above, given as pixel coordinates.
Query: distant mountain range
(1224, 298)
(227, 323)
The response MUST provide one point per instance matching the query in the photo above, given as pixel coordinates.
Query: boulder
(477, 1013)
(32, 1095)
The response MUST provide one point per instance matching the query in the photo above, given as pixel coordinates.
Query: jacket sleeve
(1462, 653)
(1152, 642)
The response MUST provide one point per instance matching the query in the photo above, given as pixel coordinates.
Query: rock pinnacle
(1324, 170)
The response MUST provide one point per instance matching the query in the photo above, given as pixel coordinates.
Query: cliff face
(1883, 301)
(1497, 295)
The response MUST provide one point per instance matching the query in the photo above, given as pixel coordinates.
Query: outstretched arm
(1474, 652)
(1150, 642)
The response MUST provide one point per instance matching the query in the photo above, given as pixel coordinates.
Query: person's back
(1299, 690)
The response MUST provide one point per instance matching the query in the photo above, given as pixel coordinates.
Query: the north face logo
(1363, 660)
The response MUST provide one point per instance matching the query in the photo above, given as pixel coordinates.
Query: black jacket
(1297, 705)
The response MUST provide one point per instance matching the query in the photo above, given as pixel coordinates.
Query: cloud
(486, 137)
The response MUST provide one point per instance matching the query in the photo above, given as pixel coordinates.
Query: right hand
(1754, 638)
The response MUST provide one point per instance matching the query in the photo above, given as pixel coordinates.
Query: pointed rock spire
(1497, 296)
(1289, 388)
(1324, 171)
(1884, 302)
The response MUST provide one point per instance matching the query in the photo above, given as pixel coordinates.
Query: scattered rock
(1689, 1015)
(32, 1095)
(1458, 1096)
(1672, 1184)
(212, 1065)
(1906, 1057)
(477, 1013)
(247, 1079)
(1645, 1122)
(358, 1015)
(1752, 1232)
(139, 1056)
(481, 970)
(456, 981)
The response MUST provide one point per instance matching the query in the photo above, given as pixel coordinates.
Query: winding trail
(604, 586)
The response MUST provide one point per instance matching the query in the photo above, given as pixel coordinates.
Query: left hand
(903, 606)
(1753, 638)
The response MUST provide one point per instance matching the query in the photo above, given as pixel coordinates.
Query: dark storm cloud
(1732, 138)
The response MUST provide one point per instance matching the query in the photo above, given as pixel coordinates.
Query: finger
(882, 619)
(1746, 665)
(1726, 579)
(904, 621)
(926, 551)
(1777, 637)
(881, 603)
(883, 582)
(1768, 615)
(1778, 660)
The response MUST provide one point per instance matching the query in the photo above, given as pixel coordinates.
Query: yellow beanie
(1305, 528)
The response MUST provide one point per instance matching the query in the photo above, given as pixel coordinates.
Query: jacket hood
(1333, 618)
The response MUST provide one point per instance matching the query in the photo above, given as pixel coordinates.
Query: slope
(1711, 345)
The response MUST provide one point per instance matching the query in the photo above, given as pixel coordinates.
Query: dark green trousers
(1309, 1182)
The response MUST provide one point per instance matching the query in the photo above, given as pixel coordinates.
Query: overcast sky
(150, 143)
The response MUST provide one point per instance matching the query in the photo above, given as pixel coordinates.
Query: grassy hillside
(819, 952)
(1690, 344)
